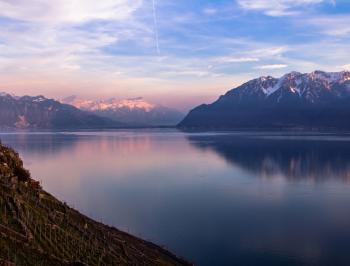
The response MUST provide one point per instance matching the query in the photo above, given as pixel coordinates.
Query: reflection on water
(216, 199)
(41, 143)
(315, 158)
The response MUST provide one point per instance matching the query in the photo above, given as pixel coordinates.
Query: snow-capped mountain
(38, 112)
(311, 87)
(134, 112)
(313, 100)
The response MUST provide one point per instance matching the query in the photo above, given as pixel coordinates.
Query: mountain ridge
(296, 100)
(39, 112)
(132, 111)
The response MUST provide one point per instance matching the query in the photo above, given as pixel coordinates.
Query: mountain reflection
(41, 143)
(299, 157)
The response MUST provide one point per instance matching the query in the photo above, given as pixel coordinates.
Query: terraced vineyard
(37, 229)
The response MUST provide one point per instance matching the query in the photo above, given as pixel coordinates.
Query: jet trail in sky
(155, 26)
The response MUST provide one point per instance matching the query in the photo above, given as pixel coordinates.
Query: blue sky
(178, 53)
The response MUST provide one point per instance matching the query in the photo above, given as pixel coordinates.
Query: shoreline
(36, 228)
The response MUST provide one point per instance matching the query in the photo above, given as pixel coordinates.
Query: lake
(239, 198)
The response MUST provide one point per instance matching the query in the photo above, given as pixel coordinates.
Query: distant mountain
(313, 101)
(38, 112)
(135, 111)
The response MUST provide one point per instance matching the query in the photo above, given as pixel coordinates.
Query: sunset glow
(174, 53)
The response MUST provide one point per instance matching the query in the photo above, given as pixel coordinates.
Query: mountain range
(134, 111)
(317, 100)
(314, 100)
(38, 112)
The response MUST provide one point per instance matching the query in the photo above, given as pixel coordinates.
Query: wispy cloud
(210, 11)
(345, 67)
(44, 36)
(68, 11)
(272, 66)
(277, 7)
(335, 25)
(228, 59)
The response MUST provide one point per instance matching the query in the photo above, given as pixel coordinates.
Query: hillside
(312, 101)
(38, 112)
(37, 229)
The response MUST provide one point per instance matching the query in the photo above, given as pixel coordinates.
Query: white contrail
(155, 26)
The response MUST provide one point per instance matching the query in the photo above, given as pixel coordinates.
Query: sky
(178, 53)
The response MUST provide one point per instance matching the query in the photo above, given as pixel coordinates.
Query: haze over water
(213, 198)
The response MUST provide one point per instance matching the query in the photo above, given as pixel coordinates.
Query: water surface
(213, 198)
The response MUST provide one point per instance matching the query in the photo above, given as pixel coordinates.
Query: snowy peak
(267, 84)
(36, 99)
(133, 103)
(132, 111)
(79, 103)
(296, 100)
(309, 86)
(39, 112)
(330, 77)
(259, 87)
(39, 98)
(109, 104)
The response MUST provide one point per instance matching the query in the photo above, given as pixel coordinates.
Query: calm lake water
(213, 198)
